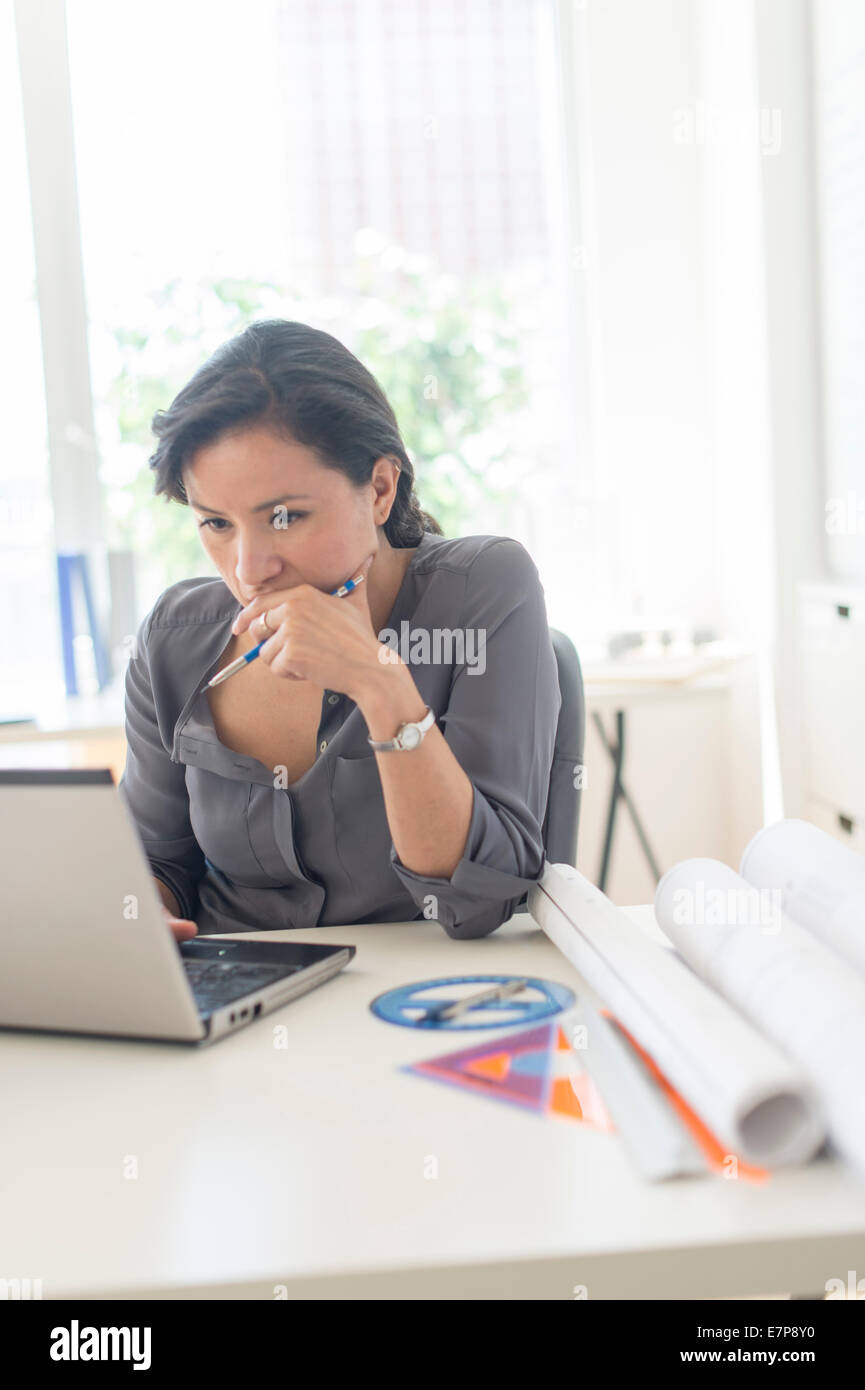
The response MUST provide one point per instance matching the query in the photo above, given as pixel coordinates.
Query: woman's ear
(385, 478)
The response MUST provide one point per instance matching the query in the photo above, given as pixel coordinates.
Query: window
(380, 170)
(29, 642)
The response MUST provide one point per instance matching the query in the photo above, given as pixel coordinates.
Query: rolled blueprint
(754, 1099)
(790, 985)
(821, 882)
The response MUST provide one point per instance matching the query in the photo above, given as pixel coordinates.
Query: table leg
(617, 754)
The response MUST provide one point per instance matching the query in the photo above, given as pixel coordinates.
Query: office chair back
(561, 821)
(562, 816)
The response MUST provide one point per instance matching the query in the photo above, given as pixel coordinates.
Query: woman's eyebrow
(262, 506)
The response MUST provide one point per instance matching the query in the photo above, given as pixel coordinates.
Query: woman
(262, 802)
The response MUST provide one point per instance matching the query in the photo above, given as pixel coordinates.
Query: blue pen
(244, 660)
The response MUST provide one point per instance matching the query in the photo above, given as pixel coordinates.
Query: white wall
(838, 44)
(654, 260)
(647, 255)
(785, 75)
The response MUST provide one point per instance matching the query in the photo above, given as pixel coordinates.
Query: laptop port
(243, 1013)
(256, 1011)
(232, 1017)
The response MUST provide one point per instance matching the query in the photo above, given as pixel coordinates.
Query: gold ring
(263, 619)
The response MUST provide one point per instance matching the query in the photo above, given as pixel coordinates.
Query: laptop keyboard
(215, 983)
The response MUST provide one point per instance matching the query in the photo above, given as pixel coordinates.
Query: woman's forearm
(427, 795)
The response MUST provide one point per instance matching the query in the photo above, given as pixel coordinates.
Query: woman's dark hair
(304, 385)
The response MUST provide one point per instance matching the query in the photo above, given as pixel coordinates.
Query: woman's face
(271, 516)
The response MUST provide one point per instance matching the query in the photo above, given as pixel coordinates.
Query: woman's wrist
(388, 698)
(168, 898)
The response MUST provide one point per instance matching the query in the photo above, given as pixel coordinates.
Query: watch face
(410, 736)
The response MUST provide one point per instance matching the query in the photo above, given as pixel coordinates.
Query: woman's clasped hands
(315, 636)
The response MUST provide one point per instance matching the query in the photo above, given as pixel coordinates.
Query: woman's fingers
(183, 931)
(182, 927)
(250, 616)
(274, 655)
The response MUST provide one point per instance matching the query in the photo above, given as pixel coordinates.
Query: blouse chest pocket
(360, 819)
(244, 829)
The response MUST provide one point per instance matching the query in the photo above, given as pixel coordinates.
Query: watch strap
(395, 744)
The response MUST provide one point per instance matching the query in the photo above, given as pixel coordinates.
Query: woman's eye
(280, 521)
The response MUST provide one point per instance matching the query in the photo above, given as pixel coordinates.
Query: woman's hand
(182, 928)
(315, 636)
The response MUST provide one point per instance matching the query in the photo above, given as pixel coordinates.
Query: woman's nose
(255, 564)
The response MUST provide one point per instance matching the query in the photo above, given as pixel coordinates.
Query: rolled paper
(754, 1099)
(798, 991)
(821, 881)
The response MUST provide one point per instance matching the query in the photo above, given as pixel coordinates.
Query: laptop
(84, 944)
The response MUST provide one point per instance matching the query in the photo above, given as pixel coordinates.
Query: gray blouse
(241, 852)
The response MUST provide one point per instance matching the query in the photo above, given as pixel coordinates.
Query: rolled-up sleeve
(154, 788)
(500, 724)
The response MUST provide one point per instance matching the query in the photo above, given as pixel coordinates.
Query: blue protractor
(408, 1005)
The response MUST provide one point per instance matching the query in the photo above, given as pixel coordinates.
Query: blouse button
(322, 745)
(333, 699)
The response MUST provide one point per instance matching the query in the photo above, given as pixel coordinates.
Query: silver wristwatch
(407, 735)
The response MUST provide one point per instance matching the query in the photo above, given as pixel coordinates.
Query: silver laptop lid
(84, 946)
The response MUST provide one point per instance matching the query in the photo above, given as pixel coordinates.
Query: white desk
(306, 1167)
